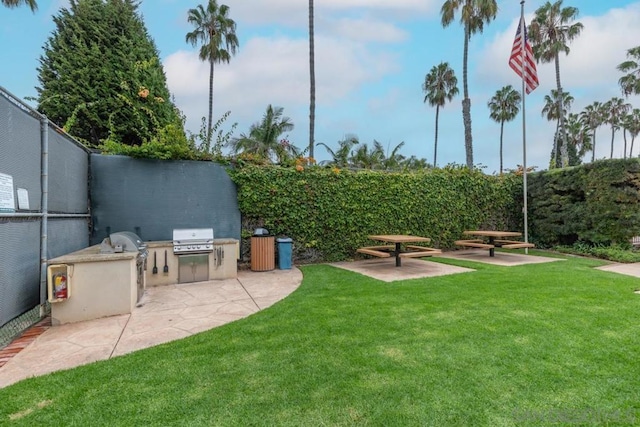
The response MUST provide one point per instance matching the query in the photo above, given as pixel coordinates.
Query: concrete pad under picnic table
(505, 259)
(628, 269)
(385, 269)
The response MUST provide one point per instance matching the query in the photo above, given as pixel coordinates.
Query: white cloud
(273, 71)
(589, 73)
(296, 12)
(592, 61)
(367, 30)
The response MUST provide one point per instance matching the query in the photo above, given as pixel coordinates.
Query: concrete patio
(502, 258)
(386, 270)
(165, 313)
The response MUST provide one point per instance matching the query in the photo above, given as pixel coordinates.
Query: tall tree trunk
(435, 149)
(556, 144)
(624, 136)
(613, 133)
(593, 154)
(312, 75)
(466, 102)
(210, 122)
(633, 138)
(501, 133)
(564, 153)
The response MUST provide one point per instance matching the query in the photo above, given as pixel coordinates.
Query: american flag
(522, 53)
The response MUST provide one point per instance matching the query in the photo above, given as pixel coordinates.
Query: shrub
(329, 212)
(595, 203)
(617, 252)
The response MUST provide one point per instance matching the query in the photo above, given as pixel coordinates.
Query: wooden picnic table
(397, 250)
(495, 239)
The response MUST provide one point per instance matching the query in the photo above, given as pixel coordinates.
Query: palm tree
(473, 15)
(217, 34)
(504, 107)
(552, 112)
(414, 163)
(393, 160)
(440, 86)
(579, 138)
(264, 138)
(593, 117)
(340, 157)
(615, 110)
(632, 125)
(312, 86)
(550, 32)
(15, 3)
(365, 158)
(630, 83)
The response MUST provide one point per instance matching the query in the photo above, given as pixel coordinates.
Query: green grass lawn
(528, 345)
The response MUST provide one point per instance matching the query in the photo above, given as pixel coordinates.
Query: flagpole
(524, 129)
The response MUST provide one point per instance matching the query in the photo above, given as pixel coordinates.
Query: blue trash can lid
(284, 240)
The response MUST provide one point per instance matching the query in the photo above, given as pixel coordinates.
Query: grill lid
(184, 235)
(123, 241)
(192, 240)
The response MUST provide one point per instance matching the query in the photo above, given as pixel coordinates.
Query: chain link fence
(44, 209)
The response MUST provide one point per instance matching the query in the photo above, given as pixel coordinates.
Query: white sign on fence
(23, 198)
(7, 200)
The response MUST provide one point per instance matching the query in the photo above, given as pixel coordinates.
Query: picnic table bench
(496, 240)
(379, 251)
(513, 244)
(396, 250)
(474, 243)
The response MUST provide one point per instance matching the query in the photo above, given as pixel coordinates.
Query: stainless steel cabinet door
(193, 268)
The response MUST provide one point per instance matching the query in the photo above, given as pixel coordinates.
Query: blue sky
(371, 60)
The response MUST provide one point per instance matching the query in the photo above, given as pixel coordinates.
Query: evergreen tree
(101, 76)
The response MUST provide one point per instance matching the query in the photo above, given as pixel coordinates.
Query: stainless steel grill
(192, 240)
(126, 241)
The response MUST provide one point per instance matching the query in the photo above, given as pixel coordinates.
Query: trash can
(284, 252)
(262, 251)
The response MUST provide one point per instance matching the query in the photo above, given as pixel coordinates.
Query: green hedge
(595, 203)
(329, 212)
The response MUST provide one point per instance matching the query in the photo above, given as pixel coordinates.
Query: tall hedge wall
(329, 213)
(595, 203)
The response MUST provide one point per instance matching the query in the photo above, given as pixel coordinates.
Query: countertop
(91, 254)
(169, 243)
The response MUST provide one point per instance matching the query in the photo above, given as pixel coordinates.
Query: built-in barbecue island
(110, 278)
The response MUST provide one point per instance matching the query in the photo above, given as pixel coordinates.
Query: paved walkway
(628, 269)
(165, 313)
